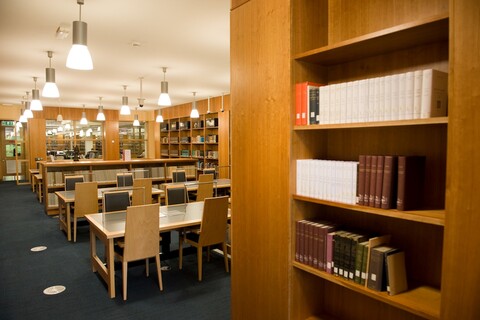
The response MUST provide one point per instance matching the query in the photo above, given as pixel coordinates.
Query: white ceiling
(189, 37)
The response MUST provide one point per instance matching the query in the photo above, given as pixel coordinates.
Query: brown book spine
(315, 243)
(379, 181)
(389, 187)
(368, 169)
(410, 182)
(297, 240)
(301, 247)
(361, 179)
(373, 181)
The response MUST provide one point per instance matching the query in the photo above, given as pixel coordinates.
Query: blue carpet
(25, 274)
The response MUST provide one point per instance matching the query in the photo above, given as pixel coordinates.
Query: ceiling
(127, 40)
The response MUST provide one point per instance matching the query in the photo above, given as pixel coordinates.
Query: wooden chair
(210, 171)
(141, 240)
(142, 191)
(124, 179)
(86, 202)
(179, 176)
(116, 201)
(71, 180)
(175, 194)
(212, 231)
(205, 187)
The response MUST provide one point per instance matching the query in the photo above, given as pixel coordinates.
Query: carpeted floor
(25, 274)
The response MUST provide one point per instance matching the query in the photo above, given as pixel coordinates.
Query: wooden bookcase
(339, 41)
(202, 139)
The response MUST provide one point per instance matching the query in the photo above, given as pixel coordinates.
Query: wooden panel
(309, 15)
(260, 111)
(237, 3)
(111, 147)
(461, 264)
(38, 145)
(349, 19)
(224, 143)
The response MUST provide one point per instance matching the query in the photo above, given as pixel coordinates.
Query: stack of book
(410, 95)
(391, 182)
(353, 256)
(327, 180)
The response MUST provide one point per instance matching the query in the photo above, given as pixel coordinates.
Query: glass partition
(133, 138)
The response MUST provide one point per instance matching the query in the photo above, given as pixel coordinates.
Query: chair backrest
(175, 194)
(179, 176)
(116, 201)
(71, 180)
(86, 198)
(205, 186)
(141, 232)
(124, 179)
(142, 192)
(214, 221)
(210, 171)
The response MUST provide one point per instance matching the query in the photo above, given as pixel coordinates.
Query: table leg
(111, 268)
(69, 226)
(93, 249)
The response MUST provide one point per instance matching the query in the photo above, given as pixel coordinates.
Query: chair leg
(199, 261)
(225, 255)
(74, 229)
(147, 267)
(159, 272)
(124, 278)
(180, 252)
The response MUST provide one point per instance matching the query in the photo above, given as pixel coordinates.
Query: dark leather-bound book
(368, 169)
(377, 273)
(389, 187)
(411, 176)
(379, 181)
(373, 182)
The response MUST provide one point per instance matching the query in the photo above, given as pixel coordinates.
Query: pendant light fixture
(84, 120)
(194, 113)
(141, 100)
(79, 57)
(22, 117)
(125, 109)
(59, 116)
(164, 98)
(159, 116)
(50, 89)
(36, 104)
(28, 113)
(18, 125)
(100, 114)
(136, 123)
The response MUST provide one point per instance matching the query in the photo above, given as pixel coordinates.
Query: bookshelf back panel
(349, 19)
(312, 15)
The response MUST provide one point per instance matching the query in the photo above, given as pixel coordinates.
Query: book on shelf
(361, 179)
(329, 252)
(313, 104)
(377, 279)
(411, 175)
(302, 101)
(409, 94)
(434, 93)
(396, 273)
(417, 93)
(368, 170)
(389, 183)
(379, 181)
(373, 181)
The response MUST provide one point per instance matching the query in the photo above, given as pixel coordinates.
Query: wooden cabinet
(341, 41)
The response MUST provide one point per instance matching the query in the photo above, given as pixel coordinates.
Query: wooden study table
(67, 198)
(108, 227)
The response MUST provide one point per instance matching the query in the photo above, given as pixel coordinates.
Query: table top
(69, 196)
(112, 225)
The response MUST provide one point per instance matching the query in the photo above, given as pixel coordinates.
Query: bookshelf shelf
(407, 35)
(434, 217)
(423, 301)
(377, 124)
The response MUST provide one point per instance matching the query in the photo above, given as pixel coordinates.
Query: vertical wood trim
(37, 139)
(112, 143)
(260, 111)
(461, 264)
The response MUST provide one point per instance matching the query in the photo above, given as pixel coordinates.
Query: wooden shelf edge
(423, 301)
(434, 217)
(410, 34)
(392, 123)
